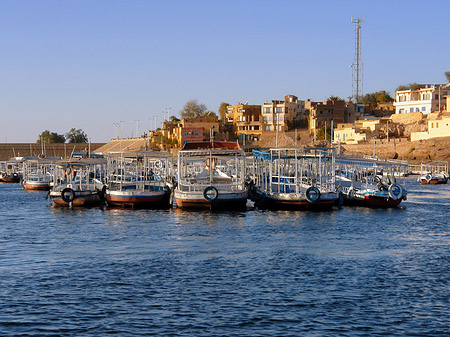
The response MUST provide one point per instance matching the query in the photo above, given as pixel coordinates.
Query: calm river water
(345, 272)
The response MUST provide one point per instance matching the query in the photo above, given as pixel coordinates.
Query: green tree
(223, 110)
(50, 137)
(334, 98)
(410, 86)
(376, 97)
(76, 136)
(193, 109)
(447, 75)
(174, 119)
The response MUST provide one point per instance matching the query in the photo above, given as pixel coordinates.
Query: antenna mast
(357, 73)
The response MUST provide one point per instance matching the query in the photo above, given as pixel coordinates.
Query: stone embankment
(10, 150)
(413, 152)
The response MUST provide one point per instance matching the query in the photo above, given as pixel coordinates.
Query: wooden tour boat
(211, 175)
(434, 172)
(79, 182)
(11, 171)
(38, 173)
(139, 180)
(296, 179)
(369, 182)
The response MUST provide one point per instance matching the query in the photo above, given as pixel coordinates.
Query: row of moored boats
(213, 175)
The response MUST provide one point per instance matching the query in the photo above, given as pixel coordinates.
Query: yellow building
(195, 129)
(246, 120)
(438, 125)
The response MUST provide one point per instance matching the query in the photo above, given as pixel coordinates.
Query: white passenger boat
(38, 173)
(211, 175)
(139, 180)
(11, 171)
(369, 182)
(79, 182)
(434, 172)
(297, 179)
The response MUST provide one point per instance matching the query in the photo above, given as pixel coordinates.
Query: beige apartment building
(282, 114)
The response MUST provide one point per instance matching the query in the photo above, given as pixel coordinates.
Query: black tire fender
(210, 193)
(312, 194)
(67, 194)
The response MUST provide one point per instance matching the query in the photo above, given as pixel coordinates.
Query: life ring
(67, 194)
(377, 179)
(158, 164)
(312, 194)
(428, 177)
(395, 191)
(210, 193)
(211, 163)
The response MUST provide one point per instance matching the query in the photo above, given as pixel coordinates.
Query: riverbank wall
(9, 150)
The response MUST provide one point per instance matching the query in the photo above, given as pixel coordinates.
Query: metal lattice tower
(357, 66)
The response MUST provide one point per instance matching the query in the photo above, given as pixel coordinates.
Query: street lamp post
(276, 125)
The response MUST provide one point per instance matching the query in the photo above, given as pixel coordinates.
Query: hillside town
(415, 114)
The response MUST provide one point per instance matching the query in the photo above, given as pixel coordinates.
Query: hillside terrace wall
(9, 150)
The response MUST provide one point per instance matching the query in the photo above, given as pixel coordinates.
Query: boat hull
(81, 199)
(31, 186)
(293, 201)
(10, 179)
(371, 201)
(224, 201)
(128, 199)
(433, 181)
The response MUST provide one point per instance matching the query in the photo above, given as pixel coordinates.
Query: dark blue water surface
(345, 272)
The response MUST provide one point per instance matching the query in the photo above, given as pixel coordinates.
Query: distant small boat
(434, 172)
(79, 182)
(294, 179)
(11, 171)
(211, 175)
(139, 180)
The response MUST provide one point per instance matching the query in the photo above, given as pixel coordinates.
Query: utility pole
(137, 127)
(276, 125)
(357, 66)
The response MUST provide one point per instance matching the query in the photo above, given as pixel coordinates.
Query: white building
(428, 98)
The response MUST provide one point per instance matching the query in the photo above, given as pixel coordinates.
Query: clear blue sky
(91, 63)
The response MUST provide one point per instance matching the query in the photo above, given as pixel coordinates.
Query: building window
(401, 111)
(436, 96)
(417, 109)
(411, 109)
(196, 134)
(432, 125)
(267, 110)
(186, 134)
(423, 108)
(437, 125)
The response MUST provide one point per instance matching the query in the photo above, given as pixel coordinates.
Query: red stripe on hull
(29, 187)
(217, 204)
(78, 202)
(162, 201)
(372, 201)
(433, 181)
(9, 180)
